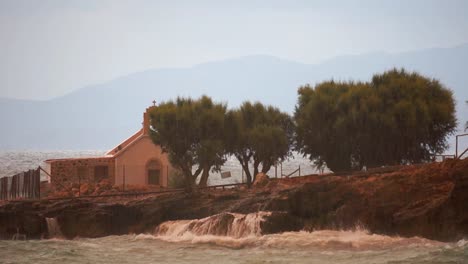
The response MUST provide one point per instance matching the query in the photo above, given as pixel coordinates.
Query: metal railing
(456, 146)
(292, 173)
(136, 194)
(443, 156)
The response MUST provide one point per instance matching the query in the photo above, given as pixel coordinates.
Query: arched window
(153, 168)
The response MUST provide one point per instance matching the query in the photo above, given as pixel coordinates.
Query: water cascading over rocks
(225, 224)
(53, 228)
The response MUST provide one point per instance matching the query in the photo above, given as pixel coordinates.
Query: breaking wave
(239, 231)
(225, 224)
(323, 239)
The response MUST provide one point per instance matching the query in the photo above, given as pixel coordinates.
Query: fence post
(79, 185)
(38, 173)
(281, 167)
(276, 171)
(299, 170)
(2, 189)
(14, 187)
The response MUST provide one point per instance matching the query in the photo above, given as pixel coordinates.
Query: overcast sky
(49, 48)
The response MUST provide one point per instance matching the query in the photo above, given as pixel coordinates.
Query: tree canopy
(192, 133)
(258, 134)
(398, 117)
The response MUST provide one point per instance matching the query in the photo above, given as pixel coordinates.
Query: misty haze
(247, 132)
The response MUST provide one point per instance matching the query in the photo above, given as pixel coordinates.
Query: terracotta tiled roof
(80, 158)
(110, 154)
(125, 143)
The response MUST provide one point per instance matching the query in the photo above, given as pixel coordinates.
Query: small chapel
(135, 161)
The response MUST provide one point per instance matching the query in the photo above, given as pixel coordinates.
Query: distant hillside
(100, 116)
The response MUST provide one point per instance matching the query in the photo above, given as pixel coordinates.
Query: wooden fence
(22, 185)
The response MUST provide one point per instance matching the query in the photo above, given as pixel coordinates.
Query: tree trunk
(248, 176)
(266, 167)
(190, 178)
(245, 167)
(256, 164)
(204, 177)
(188, 182)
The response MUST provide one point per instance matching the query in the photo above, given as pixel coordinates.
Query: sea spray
(53, 228)
(244, 230)
(462, 243)
(225, 224)
(316, 240)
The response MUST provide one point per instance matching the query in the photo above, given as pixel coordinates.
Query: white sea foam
(324, 240)
(227, 224)
(245, 231)
(462, 243)
(324, 247)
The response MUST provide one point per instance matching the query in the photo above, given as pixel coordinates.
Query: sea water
(324, 246)
(13, 162)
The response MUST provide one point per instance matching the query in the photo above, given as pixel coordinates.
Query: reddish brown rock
(430, 201)
(261, 180)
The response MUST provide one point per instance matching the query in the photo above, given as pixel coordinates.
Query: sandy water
(294, 247)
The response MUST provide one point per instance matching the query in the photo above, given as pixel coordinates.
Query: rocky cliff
(429, 200)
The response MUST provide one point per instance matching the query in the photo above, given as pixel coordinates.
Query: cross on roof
(154, 102)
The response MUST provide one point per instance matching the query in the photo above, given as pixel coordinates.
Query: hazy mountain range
(100, 116)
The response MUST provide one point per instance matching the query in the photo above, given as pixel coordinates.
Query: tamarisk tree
(192, 133)
(397, 118)
(258, 134)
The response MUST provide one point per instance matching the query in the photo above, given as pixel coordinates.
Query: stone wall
(67, 171)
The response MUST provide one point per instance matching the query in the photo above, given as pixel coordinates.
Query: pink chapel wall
(135, 159)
